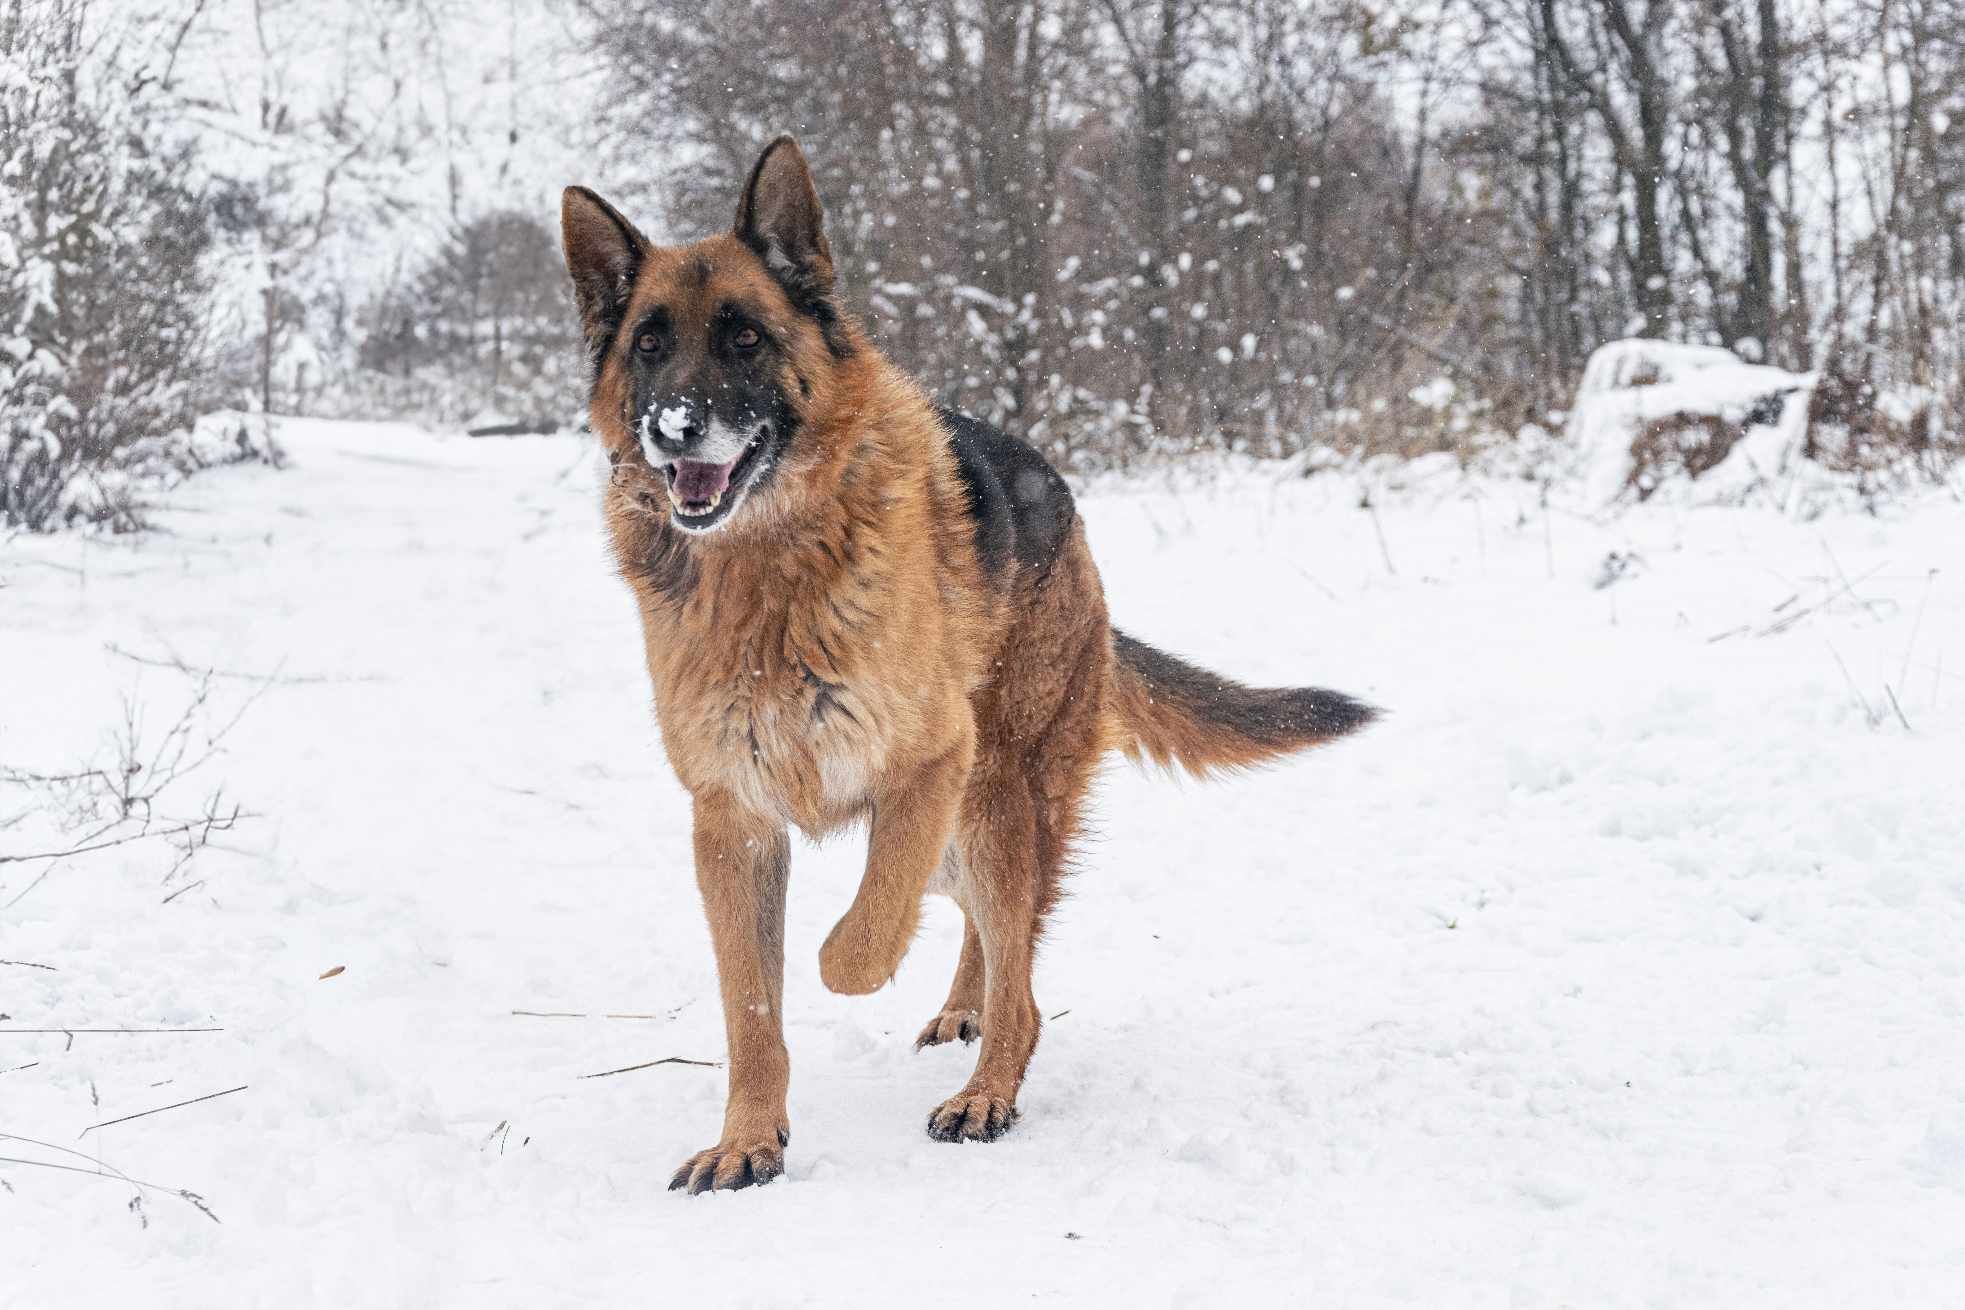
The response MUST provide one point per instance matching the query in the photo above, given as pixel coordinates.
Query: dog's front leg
(742, 864)
(912, 820)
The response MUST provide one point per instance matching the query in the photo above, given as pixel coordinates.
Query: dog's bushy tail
(1170, 712)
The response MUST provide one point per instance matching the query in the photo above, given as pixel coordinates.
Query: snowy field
(1623, 964)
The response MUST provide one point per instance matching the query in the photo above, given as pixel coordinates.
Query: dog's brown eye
(648, 343)
(746, 339)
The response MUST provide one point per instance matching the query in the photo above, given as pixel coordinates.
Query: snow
(1620, 965)
(674, 422)
(1640, 361)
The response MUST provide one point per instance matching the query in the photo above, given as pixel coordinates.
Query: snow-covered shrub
(115, 493)
(1651, 416)
(102, 280)
(1652, 413)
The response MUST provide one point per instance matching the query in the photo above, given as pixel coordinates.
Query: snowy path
(1618, 967)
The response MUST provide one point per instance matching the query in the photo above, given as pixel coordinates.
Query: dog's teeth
(716, 498)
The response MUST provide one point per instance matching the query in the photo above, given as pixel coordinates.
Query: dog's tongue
(696, 482)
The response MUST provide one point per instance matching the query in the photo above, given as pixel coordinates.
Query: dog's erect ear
(603, 253)
(779, 217)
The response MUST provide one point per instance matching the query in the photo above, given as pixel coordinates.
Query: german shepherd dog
(856, 606)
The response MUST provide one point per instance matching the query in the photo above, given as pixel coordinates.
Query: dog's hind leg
(1039, 737)
(1014, 855)
(961, 1016)
(998, 895)
(1018, 824)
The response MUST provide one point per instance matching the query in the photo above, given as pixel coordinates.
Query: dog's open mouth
(704, 494)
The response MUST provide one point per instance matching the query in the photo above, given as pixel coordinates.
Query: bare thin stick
(209, 1096)
(1898, 708)
(1384, 550)
(29, 964)
(1848, 588)
(1313, 582)
(111, 1030)
(1868, 713)
(180, 891)
(118, 1176)
(177, 663)
(17, 1068)
(99, 1171)
(1832, 595)
(39, 878)
(1903, 672)
(576, 1014)
(212, 824)
(673, 1059)
(25, 775)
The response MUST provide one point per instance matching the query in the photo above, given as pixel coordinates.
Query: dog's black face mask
(705, 354)
(706, 398)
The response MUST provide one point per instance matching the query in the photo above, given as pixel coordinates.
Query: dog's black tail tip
(1170, 711)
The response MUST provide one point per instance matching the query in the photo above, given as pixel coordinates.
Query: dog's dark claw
(972, 1117)
(730, 1168)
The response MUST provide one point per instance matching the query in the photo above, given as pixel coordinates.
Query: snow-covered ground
(1623, 964)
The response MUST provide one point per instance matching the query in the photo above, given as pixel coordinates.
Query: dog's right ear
(603, 253)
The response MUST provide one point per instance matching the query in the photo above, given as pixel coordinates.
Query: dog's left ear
(780, 218)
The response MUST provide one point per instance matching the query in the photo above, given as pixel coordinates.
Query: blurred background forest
(1129, 229)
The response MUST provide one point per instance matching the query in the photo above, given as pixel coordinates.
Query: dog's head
(707, 357)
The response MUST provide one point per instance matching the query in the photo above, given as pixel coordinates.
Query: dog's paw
(729, 1167)
(855, 960)
(950, 1026)
(972, 1117)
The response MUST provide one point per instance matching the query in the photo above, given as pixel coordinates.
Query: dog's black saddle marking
(1022, 508)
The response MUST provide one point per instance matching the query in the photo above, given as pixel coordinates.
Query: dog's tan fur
(839, 652)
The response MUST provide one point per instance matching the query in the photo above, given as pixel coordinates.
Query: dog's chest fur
(790, 683)
(755, 716)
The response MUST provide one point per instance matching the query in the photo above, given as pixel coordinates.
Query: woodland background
(1131, 229)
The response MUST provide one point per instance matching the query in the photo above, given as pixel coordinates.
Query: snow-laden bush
(113, 494)
(102, 274)
(1649, 414)
(1700, 422)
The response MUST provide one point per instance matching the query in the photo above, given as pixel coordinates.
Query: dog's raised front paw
(856, 959)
